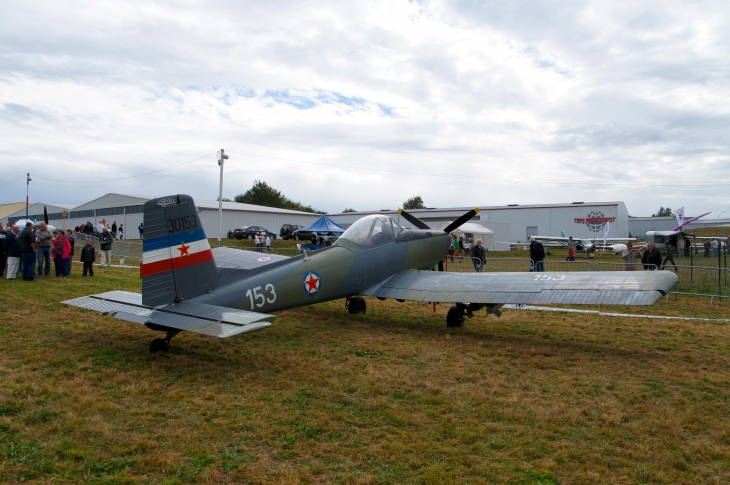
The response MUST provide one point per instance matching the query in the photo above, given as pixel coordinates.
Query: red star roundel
(311, 283)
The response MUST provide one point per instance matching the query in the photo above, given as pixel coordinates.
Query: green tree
(263, 194)
(349, 209)
(663, 212)
(415, 202)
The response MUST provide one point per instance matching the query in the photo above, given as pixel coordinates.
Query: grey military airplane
(222, 292)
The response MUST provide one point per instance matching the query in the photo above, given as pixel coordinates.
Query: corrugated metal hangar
(127, 210)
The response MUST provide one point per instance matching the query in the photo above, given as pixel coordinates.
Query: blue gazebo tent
(323, 226)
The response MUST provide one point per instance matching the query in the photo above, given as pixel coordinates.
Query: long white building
(127, 210)
(577, 219)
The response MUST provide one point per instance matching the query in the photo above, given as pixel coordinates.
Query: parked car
(248, 232)
(288, 232)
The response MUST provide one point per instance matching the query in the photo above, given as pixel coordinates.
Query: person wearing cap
(652, 258)
(45, 242)
(630, 257)
(28, 251)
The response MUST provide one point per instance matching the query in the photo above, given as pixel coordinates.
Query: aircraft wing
(193, 317)
(576, 288)
(552, 238)
(241, 259)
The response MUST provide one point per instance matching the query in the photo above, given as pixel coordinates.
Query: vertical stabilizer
(177, 262)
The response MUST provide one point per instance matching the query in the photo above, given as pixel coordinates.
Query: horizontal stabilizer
(193, 317)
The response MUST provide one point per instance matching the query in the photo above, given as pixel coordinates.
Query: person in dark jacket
(477, 256)
(537, 254)
(114, 230)
(28, 251)
(3, 254)
(11, 247)
(88, 228)
(88, 256)
(652, 258)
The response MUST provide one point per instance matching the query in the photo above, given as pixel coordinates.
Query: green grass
(392, 396)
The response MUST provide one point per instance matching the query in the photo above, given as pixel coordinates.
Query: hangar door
(531, 231)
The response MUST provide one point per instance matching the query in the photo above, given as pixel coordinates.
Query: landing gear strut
(456, 315)
(356, 305)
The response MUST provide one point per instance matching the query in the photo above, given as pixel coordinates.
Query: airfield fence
(124, 251)
(706, 280)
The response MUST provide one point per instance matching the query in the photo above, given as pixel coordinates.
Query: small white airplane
(659, 238)
(590, 245)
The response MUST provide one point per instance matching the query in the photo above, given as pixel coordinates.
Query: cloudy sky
(364, 104)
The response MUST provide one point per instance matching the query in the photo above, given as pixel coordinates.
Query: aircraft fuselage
(343, 270)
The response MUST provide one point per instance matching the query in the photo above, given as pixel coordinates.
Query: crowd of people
(262, 239)
(28, 252)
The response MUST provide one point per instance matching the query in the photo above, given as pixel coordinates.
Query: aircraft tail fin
(177, 262)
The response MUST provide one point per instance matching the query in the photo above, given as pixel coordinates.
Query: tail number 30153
(258, 298)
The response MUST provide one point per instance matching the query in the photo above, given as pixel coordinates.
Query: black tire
(357, 305)
(159, 344)
(455, 317)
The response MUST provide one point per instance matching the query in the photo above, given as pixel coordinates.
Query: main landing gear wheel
(356, 305)
(455, 317)
(159, 344)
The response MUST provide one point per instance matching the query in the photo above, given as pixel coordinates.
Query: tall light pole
(27, 192)
(221, 158)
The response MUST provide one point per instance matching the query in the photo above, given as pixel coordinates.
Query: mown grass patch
(392, 396)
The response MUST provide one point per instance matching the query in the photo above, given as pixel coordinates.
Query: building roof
(37, 208)
(237, 206)
(482, 208)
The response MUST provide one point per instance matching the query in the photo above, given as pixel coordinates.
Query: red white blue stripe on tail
(174, 252)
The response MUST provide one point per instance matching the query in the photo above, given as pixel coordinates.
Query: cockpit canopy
(372, 231)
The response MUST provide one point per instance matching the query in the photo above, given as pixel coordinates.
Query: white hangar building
(516, 223)
(127, 210)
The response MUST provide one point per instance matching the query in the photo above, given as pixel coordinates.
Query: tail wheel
(356, 305)
(159, 344)
(455, 316)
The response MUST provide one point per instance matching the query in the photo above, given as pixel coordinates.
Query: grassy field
(392, 396)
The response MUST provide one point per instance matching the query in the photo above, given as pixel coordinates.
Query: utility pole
(27, 190)
(221, 158)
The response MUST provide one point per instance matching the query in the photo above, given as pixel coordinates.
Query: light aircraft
(221, 292)
(589, 245)
(659, 238)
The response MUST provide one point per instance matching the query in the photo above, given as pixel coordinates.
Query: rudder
(177, 262)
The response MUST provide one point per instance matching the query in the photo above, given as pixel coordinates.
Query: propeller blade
(413, 219)
(461, 220)
(45, 214)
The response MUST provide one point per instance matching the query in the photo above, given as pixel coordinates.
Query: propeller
(461, 220)
(413, 219)
(45, 214)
